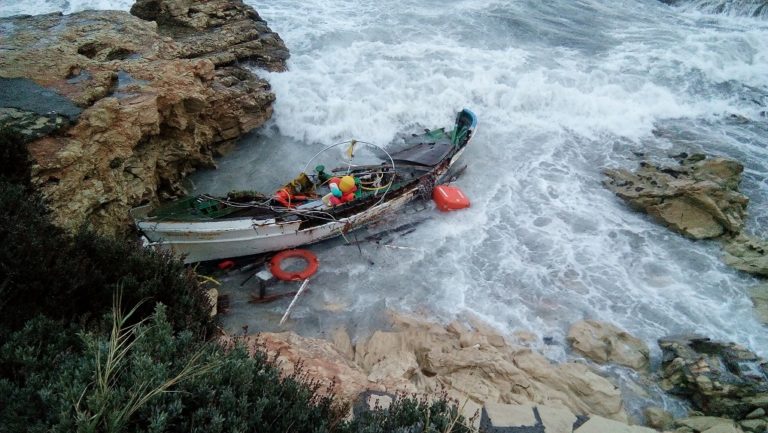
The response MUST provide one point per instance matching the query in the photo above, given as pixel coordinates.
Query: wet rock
(747, 254)
(759, 296)
(30, 125)
(754, 425)
(606, 343)
(658, 418)
(137, 110)
(33, 110)
(699, 197)
(703, 423)
(341, 340)
(721, 379)
(222, 31)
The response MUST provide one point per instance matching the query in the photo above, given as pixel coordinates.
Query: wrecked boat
(315, 206)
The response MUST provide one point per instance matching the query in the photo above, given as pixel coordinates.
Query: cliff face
(158, 98)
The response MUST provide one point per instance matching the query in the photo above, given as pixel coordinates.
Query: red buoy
(308, 271)
(226, 265)
(449, 198)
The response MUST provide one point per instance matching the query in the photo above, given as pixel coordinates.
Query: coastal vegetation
(100, 335)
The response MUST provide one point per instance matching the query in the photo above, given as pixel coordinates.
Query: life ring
(280, 274)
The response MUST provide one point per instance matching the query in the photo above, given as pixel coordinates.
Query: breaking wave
(737, 8)
(562, 90)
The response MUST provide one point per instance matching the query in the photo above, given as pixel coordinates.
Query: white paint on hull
(211, 240)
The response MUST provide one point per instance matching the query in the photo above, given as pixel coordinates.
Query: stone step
(531, 418)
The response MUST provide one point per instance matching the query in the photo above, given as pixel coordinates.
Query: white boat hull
(212, 240)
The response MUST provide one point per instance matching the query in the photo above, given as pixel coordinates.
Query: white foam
(544, 244)
(31, 7)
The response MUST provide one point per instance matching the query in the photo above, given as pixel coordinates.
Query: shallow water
(562, 90)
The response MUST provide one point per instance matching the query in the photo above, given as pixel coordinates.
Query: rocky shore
(501, 382)
(698, 197)
(118, 108)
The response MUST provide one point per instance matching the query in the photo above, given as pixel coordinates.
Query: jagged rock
(604, 343)
(658, 418)
(721, 379)
(754, 425)
(759, 296)
(747, 254)
(424, 357)
(703, 423)
(698, 198)
(320, 360)
(240, 34)
(152, 110)
(341, 340)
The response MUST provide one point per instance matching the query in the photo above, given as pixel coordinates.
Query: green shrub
(56, 304)
(59, 384)
(14, 159)
(412, 414)
(43, 270)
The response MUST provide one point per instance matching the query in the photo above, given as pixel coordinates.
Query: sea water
(562, 90)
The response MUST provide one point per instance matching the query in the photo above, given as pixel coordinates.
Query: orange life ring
(280, 274)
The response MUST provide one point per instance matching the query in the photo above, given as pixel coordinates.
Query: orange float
(285, 198)
(448, 198)
(306, 255)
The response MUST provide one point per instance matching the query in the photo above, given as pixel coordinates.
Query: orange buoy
(449, 198)
(308, 271)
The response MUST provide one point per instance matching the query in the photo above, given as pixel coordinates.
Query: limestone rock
(747, 254)
(698, 198)
(720, 379)
(604, 343)
(754, 425)
(321, 361)
(149, 110)
(541, 418)
(507, 416)
(240, 34)
(724, 429)
(597, 424)
(424, 357)
(759, 296)
(658, 418)
(556, 420)
(703, 423)
(343, 343)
